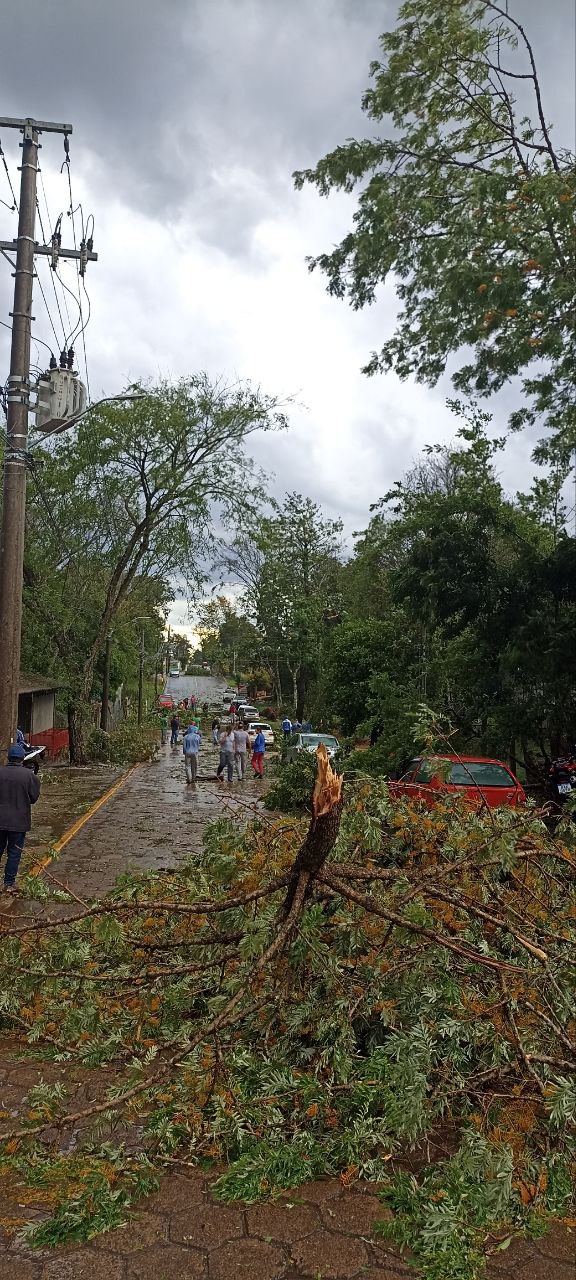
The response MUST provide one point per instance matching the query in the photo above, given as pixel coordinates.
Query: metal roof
(29, 683)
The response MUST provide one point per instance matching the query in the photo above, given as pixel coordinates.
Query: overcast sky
(189, 118)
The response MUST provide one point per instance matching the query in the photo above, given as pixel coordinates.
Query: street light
(71, 422)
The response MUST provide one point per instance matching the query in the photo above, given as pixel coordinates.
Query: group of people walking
(235, 745)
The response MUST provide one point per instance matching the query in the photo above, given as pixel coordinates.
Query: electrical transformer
(60, 396)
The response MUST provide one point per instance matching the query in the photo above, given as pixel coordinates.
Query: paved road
(203, 688)
(153, 822)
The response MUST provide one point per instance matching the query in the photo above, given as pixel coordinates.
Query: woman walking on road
(215, 731)
(258, 754)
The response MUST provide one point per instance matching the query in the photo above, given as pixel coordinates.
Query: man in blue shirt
(286, 727)
(191, 748)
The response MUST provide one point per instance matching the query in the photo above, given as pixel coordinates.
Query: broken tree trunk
(321, 836)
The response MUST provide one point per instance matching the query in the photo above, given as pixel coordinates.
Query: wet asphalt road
(154, 822)
(204, 688)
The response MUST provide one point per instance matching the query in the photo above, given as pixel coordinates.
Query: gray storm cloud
(189, 118)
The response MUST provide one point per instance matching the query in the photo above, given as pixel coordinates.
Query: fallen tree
(307, 1000)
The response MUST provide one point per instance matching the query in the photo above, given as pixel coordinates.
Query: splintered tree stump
(322, 832)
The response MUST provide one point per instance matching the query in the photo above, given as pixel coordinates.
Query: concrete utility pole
(144, 618)
(104, 710)
(18, 408)
(14, 501)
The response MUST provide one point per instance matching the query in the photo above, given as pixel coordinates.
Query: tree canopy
(466, 201)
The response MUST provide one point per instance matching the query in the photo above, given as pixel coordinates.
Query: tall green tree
(486, 586)
(290, 566)
(130, 496)
(467, 203)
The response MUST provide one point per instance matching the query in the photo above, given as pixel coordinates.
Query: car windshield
(479, 773)
(314, 740)
(255, 724)
(469, 773)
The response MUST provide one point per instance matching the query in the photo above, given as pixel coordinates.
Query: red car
(474, 777)
(165, 703)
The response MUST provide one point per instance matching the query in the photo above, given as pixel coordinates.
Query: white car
(259, 726)
(174, 671)
(309, 742)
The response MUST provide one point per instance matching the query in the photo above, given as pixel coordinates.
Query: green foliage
(479, 610)
(290, 567)
(467, 203)
(98, 745)
(389, 1015)
(129, 743)
(444, 1218)
(131, 495)
(105, 1191)
(291, 789)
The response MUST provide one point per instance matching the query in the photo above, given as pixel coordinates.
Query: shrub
(98, 746)
(292, 788)
(130, 743)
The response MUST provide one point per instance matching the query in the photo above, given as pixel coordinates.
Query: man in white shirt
(226, 755)
(241, 746)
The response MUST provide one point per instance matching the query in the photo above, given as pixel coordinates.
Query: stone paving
(320, 1231)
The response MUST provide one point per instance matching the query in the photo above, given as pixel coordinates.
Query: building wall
(43, 712)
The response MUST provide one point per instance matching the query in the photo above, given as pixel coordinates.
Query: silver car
(310, 742)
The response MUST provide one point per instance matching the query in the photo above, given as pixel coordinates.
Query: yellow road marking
(80, 822)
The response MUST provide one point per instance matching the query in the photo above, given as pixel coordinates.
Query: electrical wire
(33, 337)
(54, 227)
(51, 276)
(72, 212)
(14, 205)
(48, 311)
(71, 334)
(83, 333)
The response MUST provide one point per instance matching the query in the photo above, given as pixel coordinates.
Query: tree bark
(77, 733)
(323, 830)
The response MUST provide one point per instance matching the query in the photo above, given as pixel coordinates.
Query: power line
(83, 332)
(48, 311)
(12, 193)
(71, 214)
(54, 229)
(51, 275)
(71, 335)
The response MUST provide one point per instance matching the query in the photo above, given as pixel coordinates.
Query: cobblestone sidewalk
(322, 1232)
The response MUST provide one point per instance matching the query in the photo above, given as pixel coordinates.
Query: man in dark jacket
(19, 790)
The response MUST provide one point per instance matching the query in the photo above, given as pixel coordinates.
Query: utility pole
(168, 652)
(141, 679)
(143, 618)
(106, 684)
(18, 408)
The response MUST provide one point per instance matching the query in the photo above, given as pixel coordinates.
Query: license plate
(564, 788)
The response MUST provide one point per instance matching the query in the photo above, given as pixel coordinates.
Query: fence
(56, 741)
